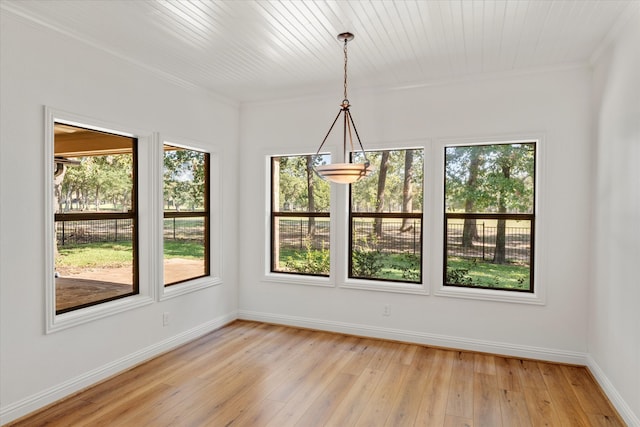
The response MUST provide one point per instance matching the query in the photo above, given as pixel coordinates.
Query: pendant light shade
(346, 172)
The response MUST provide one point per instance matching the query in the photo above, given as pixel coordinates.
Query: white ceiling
(257, 50)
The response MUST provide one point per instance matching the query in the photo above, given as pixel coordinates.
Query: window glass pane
(95, 220)
(186, 214)
(496, 178)
(300, 216)
(489, 202)
(303, 245)
(387, 244)
(395, 184)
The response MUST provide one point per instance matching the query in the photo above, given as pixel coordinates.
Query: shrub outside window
(186, 214)
(385, 218)
(490, 216)
(95, 217)
(300, 227)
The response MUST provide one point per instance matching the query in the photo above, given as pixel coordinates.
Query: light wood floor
(253, 374)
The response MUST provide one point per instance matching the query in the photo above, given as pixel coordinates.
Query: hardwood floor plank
(327, 401)
(486, 400)
(255, 374)
(484, 364)
(384, 355)
(405, 407)
(363, 354)
(565, 400)
(460, 400)
(508, 374)
(307, 387)
(432, 410)
(595, 404)
(530, 373)
(453, 421)
(355, 401)
(378, 408)
(405, 353)
(513, 407)
(540, 407)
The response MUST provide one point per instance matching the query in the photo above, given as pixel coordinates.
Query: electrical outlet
(165, 319)
(386, 311)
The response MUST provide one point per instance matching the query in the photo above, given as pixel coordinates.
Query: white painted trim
(293, 278)
(436, 340)
(298, 279)
(146, 294)
(538, 297)
(618, 402)
(31, 403)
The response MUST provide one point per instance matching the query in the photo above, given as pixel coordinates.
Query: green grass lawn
(489, 275)
(399, 267)
(118, 254)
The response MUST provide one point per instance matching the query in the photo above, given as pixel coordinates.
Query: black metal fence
(394, 236)
(483, 245)
(294, 233)
(85, 231)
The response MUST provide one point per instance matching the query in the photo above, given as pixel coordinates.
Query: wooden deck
(73, 291)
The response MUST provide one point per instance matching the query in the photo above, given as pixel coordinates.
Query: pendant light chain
(345, 70)
(347, 172)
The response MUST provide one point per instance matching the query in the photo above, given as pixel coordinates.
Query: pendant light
(346, 172)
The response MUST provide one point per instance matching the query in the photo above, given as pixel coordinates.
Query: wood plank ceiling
(257, 50)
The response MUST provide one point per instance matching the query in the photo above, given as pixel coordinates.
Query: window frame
(54, 320)
(339, 207)
(387, 285)
(205, 215)
(538, 234)
(213, 238)
(293, 277)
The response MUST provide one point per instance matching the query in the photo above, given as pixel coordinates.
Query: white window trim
(339, 217)
(293, 278)
(146, 295)
(538, 297)
(215, 220)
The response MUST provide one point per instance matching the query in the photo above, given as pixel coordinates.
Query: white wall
(614, 314)
(554, 105)
(41, 67)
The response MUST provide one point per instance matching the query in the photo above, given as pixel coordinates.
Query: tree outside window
(299, 216)
(186, 214)
(490, 216)
(95, 217)
(385, 217)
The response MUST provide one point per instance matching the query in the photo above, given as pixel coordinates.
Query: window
(489, 218)
(186, 214)
(95, 216)
(299, 216)
(385, 218)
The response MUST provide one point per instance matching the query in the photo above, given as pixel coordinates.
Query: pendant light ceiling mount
(346, 172)
(345, 37)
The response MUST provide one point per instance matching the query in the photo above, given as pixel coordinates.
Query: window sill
(396, 287)
(172, 291)
(85, 315)
(298, 279)
(490, 295)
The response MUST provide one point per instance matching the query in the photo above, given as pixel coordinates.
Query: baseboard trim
(39, 400)
(512, 350)
(616, 400)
